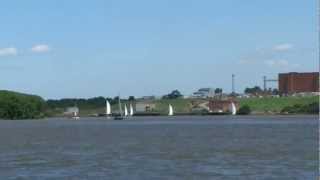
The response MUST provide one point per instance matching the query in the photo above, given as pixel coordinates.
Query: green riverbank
(257, 105)
(276, 105)
(15, 105)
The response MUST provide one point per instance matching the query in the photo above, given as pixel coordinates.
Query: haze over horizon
(59, 49)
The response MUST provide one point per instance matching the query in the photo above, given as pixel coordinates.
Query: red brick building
(293, 82)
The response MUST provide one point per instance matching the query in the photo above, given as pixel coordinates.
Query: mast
(120, 108)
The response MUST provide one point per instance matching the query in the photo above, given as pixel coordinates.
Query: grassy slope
(179, 105)
(256, 104)
(275, 104)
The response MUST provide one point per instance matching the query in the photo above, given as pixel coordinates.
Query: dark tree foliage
(275, 91)
(95, 102)
(218, 91)
(312, 108)
(20, 106)
(131, 98)
(116, 99)
(175, 94)
(244, 110)
(254, 90)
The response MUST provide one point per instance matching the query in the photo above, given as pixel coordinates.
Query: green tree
(173, 95)
(244, 110)
(131, 98)
(218, 91)
(255, 90)
(20, 106)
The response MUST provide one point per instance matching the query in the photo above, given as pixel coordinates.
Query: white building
(71, 111)
(204, 93)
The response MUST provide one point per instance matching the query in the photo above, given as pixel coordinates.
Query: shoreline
(175, 116)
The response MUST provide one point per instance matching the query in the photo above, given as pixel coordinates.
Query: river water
(207, 147)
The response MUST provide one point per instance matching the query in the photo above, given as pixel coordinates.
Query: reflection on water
(161, 148)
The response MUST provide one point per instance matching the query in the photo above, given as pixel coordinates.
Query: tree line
(15, 105)
(90, 103)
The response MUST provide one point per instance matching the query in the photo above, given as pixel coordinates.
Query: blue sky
(73, 48)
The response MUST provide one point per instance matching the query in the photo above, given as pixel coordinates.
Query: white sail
(170, 110)
(131, 110)
(76, 113)
(108, 108)
(125, 110)
(233, 109)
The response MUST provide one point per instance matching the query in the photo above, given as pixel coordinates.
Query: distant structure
(265, 81)
(204, 93)
(293, 82)
(218, 106)
(148, 98)
(145, 106)
(71, 111)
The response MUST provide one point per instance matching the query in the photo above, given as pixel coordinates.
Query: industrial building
(293, 82)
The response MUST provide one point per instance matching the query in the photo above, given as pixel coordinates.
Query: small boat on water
(75, 116)
(120, 116)
(170, 110)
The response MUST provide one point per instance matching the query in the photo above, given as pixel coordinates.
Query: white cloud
(277, 63)
(40, 48)
(283, 47)
(10, 51)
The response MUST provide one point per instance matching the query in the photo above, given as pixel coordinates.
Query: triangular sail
(131, 110)
(125, 110)
(170, 110)
(233, 109)
(108, 108)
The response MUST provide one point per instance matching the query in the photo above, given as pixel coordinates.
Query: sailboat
(108, 108)
(125, 110)
(233, 109)
(131, 110)
(170, 110)
(75, 115)
(119, 117)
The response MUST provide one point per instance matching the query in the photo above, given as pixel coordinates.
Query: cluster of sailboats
(128, 112)
(122, 114)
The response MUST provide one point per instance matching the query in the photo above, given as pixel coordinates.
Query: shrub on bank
(312, 108)
(244, 110)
